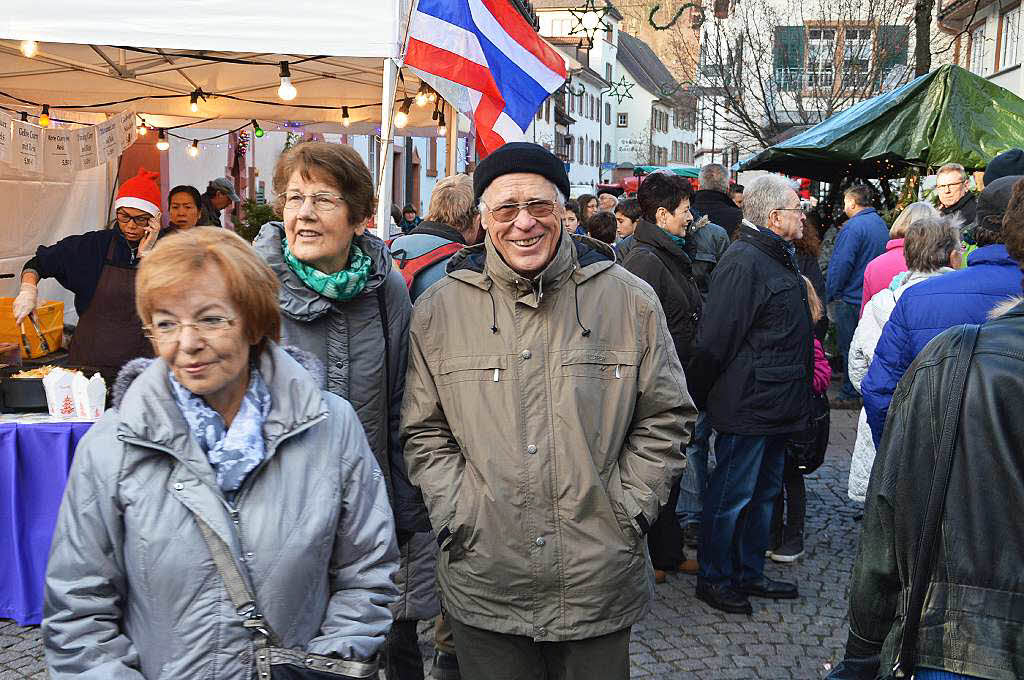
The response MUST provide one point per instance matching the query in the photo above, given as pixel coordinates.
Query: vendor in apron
(99, 268)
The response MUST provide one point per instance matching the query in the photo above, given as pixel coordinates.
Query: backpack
(409, 267)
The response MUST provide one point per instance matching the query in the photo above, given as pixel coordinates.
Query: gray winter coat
(348, 337)
(131, 588)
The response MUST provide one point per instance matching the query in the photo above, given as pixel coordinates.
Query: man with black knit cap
(545, 431)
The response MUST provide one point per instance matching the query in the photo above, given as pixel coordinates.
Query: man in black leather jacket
(973, 619)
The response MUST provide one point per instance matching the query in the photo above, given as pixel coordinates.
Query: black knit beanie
(519, 157)
(1007, 163)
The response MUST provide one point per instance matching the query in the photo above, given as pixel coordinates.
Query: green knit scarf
(679, 240)
(342, 285)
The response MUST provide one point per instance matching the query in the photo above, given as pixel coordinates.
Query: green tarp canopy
(947, 116)
(681, 171)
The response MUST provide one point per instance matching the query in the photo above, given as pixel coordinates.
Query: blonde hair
(251, 285)
(918, 210)
(451, 203)
(813, 301)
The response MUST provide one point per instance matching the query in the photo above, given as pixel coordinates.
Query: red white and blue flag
(487, 49)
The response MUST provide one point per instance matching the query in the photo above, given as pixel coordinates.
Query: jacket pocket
(604, 364)
(786, 389)
(471, 369)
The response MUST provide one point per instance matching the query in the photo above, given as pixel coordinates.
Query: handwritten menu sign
(58, 156)
(5, 138)
(108, 139)
(28, 147)
(126, 124)
(86, 141)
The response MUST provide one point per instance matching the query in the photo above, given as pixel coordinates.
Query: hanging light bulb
(431, 96)
(256, 129)
(161, 141)
(402, 117)
(29, 48)
(193, 150)
(421, 96)
(44, 117)
(442, 128)
(287, 91)
(24, 116)
(142, 129)
(194, 101)
(345, 120)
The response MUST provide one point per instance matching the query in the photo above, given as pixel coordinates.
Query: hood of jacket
(579, 257)
(439, 229)
(994, 254)
(300, 302)
(149, 413)
(707, 197)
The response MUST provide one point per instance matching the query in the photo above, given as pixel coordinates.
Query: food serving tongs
(42, 338)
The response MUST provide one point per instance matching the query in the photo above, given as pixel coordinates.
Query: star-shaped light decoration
(589, 20)
(620, 89)
(568, 85)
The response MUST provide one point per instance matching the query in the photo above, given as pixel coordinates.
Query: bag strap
(906, 659)
(238, 590)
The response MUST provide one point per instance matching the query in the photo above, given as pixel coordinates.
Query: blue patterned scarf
(236, 451)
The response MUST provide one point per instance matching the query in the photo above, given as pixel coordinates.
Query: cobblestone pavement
(682, 637)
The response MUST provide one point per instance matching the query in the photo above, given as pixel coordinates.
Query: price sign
(85, 139)
(6, 142)
(28, 147)
(108, 139)
(58, 152)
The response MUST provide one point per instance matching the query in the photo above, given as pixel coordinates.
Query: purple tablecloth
(34, 463)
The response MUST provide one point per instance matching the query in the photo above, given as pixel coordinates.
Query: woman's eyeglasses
(166, 330)
(322, 202)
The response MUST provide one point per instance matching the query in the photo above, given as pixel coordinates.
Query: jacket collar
(864, 211)
(893, 244)
(656, 237)
(150, 415)
(752, 234)
(300, 302)
(580, 257)
(439, 229)
(706, 196)
(964, 200)
(993, 254)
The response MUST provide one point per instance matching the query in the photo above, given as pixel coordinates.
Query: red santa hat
(141, 192)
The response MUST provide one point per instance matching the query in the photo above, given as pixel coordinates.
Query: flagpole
(451, 141)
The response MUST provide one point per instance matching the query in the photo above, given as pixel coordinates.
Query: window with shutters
(623, 120)
(977, 50)
(1009, 35)
(857, 48)
(607, 113)
(608, 72)
(607, 152)
(821, 54)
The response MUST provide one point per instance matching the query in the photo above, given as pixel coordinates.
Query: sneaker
(790, 551)
(446, 666)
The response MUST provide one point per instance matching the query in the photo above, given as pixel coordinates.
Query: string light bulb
(287, 91)
(402, 117)
(194, 101)
(44, 117)
(256, 129)
(422, 96)
(431, 96)
(442, 127)
(193, 150)
(161, 140)
(345, 120)
(142, 129)
(29, 48)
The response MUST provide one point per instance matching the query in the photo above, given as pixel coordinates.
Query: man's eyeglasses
(509, 211)
(954, 185)
(167, 331)
(139, 220)
(322, 202)
(800, 209)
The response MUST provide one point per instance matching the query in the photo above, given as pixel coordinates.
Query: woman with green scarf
(341, 300)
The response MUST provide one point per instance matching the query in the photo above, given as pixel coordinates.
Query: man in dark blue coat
(930, 307)
(861, 240)
(751, 372)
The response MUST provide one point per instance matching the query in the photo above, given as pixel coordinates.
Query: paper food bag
(89, 394)
(60, 398)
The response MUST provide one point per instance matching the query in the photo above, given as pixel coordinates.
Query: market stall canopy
(104, 52)
(947, 116)
(681, 171)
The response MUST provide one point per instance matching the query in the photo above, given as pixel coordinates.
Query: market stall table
(35, 456)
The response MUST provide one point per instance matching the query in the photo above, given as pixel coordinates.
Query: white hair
(765, 194)
(714, 176)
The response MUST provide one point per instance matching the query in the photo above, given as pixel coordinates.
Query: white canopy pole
(387, 138)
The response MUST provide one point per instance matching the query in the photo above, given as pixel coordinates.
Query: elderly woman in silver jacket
(342, 300)
(228, 430)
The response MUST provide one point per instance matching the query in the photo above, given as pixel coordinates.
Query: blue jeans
(738, 507)
(847, 316)
(695, 476)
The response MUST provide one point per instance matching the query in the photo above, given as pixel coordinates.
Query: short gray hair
(929, 243)
(918, 210)
(765, 194)
(714, 176)
(953, 167)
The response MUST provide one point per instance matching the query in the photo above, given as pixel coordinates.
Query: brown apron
(109, 333)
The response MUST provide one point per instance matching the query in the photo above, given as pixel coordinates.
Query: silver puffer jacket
(131, 588)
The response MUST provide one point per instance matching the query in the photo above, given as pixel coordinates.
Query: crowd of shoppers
(528, 446)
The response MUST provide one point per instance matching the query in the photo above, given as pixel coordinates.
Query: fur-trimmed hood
(1004, 307)
(134, 368)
